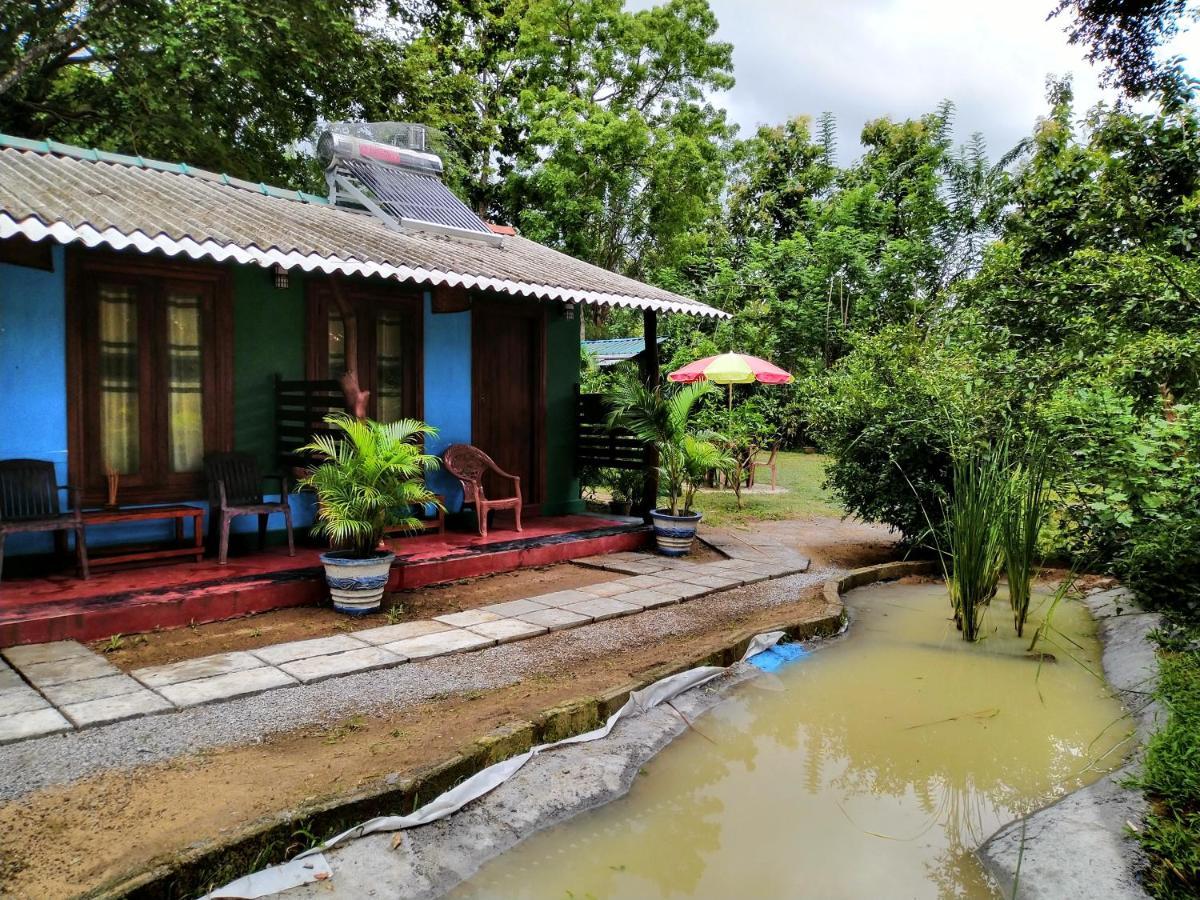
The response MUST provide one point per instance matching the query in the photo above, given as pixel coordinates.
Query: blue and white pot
(674, 534)
(356, 583)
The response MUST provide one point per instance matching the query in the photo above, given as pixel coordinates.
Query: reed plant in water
(974, 553)
(1026, 512)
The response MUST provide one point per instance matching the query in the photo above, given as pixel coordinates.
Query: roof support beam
(653, 378)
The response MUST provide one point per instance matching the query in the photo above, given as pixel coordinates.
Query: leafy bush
(889, 412)
(1134, 490)
(662, 418)
(1171, 773)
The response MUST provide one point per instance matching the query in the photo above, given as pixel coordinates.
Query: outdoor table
(139, 553)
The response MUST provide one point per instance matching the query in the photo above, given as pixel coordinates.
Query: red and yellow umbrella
(732, 368)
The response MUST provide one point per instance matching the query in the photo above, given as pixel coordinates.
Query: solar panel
(410, 195)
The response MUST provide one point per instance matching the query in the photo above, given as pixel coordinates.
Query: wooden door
(508, 374)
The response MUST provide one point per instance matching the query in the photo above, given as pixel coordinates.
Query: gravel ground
(60, 759)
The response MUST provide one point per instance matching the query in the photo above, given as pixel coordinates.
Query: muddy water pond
(872, 767)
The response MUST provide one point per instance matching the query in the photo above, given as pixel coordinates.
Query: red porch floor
(130, 600)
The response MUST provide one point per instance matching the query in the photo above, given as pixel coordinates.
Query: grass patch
(1171, 778)
(803, 474)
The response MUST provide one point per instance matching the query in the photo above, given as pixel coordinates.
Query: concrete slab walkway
(51, 688)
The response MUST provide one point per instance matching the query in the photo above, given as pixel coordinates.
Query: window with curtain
(389, 345)
(119, 396)
(185, 387)
(150, 376)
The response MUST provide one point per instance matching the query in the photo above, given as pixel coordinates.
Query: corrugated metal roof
(609, 351)
(70, 194)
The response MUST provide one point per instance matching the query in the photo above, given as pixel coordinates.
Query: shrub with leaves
(1170, 836)
(372, 478)
(1132, 491)
(888, 413)
(661, 417)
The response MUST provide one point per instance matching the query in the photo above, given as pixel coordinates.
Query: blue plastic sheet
(777, 657)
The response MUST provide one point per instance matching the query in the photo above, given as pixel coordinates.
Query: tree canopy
(223, 84)
(1125, 36)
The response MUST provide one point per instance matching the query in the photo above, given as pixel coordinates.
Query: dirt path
(64, 839)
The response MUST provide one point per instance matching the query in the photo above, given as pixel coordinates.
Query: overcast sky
(862, 59)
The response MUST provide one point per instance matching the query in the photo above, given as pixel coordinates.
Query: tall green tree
(224, 84)
(580, 121)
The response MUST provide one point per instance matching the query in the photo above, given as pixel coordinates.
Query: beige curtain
(185, 386)
(119, 422)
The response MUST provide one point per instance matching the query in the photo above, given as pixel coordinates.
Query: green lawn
(801, 473)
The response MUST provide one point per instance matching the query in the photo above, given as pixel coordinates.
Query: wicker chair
(469, 465)
(235, 489)
(29, 503)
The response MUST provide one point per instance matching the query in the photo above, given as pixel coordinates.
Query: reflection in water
(886, 761)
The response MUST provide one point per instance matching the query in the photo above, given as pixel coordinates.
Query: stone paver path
(51, 688)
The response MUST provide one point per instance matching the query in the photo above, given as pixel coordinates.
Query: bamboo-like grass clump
(1025, 514)
(973, 527)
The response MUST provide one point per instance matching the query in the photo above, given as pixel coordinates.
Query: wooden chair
(469, 465)
(235, 489)
(771, 464)
(29, 503)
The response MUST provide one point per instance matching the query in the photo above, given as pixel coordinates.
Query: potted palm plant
(685, 455)
(371, 479)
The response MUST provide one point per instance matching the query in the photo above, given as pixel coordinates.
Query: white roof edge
(63, 233)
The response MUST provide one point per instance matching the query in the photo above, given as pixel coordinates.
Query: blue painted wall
(33, 375)
(33, 390)
(33, 383)
(447, 378)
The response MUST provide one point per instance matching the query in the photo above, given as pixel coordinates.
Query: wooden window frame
(155, 483)
(366, 299)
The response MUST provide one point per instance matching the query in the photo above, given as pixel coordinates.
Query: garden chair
(469, 465)
(29, 503)
(771, 464)
(235, 489)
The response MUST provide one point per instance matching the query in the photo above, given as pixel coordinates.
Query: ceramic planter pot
(356, 583)
(674, 534)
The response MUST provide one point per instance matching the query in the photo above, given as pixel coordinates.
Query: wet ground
(871, 768)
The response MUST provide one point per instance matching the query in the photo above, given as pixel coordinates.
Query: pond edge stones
(1080, 846)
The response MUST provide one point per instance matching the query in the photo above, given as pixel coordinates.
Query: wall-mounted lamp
(279, 276)
(569, 312)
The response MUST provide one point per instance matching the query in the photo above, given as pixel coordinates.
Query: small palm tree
(661, 419)
(371, 479)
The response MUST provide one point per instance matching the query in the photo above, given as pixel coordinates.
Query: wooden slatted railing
(300, 410)
(598, 445)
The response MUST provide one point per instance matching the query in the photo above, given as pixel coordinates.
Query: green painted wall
(268, 338)
(562, 377)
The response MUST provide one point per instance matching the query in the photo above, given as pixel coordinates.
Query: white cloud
(861, 59)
